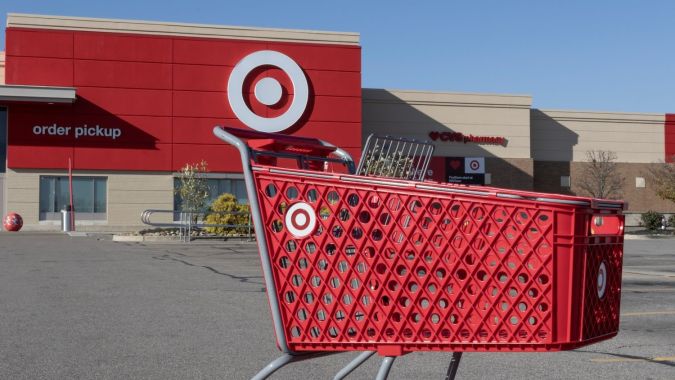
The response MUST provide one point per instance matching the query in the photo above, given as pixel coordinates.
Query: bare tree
(662, 175)
(600, 177)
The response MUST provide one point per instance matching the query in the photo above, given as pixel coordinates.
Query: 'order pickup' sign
(83, 131)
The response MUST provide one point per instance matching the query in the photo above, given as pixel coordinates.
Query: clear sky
(604, 55)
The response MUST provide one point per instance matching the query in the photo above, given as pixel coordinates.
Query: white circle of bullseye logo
(300, 219)
(268, 91)
(602, 280)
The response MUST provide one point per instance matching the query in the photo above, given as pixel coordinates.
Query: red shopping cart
(377, 264)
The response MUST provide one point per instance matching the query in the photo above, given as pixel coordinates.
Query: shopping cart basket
(372, 264)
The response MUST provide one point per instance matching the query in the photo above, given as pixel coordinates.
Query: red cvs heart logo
(434, 135)
(455, 164)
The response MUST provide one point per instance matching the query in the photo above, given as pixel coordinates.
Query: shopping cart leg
(286, 359)
(454, 364)
(273, 366)
(385, 367)
(353, 365)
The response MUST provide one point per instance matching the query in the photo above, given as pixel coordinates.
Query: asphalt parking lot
(90, 308)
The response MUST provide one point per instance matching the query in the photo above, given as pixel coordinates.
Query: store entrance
(3, 157)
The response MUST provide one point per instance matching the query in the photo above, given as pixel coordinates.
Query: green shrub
(224, 211)
(671, 221)
(651, 220)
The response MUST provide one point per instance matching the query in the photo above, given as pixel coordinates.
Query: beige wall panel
(639, 199)
(568, 135)
(416, 114)
(547, 179)
(430, 115)
(22, 180)
(130, 214)
(484, 129)
(23, 195)
(2, 67)
(411, 96)
(140, 197)
(128, 195)
(28, 212)
(580, 154)
(469, 150)
(140, 183)
(512, 173)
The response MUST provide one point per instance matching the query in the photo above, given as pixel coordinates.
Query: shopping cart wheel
(454, 364)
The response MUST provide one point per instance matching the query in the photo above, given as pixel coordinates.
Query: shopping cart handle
(263, 140)
(275, 142)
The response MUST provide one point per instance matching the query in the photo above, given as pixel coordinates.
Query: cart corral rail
(356, 263)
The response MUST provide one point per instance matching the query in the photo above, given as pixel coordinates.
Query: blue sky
(586, 55)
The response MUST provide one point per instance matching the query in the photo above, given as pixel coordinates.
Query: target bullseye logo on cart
(268, 91)
(602, 280)
(300, 219)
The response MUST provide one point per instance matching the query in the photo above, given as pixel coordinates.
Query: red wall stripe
(669, 129)
(165, 93)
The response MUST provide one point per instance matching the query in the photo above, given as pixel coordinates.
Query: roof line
(23, 20)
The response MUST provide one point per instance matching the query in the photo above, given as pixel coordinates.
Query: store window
(217, 186)
(90, 198)
(565, 181)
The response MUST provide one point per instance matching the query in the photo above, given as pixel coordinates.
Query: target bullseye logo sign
(268, 91)
(474, 165)
(300, 219)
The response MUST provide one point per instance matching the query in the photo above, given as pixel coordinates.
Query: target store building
(128, 103)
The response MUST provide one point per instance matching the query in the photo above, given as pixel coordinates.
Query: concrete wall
(128, 195)
(415, 114)
(640, 199)
(568, 135)
(2, 67)
(560, 140)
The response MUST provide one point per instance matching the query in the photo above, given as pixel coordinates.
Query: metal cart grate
(395, 157)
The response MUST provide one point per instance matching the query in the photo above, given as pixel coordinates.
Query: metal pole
(273, 366)
(70, 185)
(189, 231)
(353, 365)
(383, 373)
(250, 238)
(454, 364)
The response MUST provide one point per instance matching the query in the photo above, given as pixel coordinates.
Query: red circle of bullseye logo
(300, 219)
(474, 164)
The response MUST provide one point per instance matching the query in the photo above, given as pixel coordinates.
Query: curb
(647, 237)
(141, 238)
(176, 239)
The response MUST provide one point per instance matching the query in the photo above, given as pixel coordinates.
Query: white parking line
(620, 360)
(640, 313)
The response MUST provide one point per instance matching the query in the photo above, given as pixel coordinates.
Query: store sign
(474, 165)
(460, 137)
(82, 131)
(465, 170)
(268, 91)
